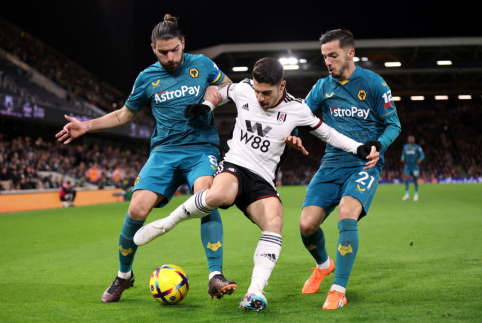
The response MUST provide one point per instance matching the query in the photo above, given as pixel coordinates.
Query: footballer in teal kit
(412, 155)
(183, 150)
(357, 103)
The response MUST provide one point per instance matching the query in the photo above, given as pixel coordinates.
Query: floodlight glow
(292, 61)
(417, 98)
(302, 61)
(240, 69)
(283, 61)
(465, 97)
(356, 59)
(291, 67)
(441, 97)
(393, 64)
(396, 98)
(364, 59)
(444, 62)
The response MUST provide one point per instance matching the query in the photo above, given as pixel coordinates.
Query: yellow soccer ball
(169, 284)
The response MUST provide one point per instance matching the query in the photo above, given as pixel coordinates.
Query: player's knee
(349, 212)
(217, 198)
(275, 224)
(138, 212)
(308, 227)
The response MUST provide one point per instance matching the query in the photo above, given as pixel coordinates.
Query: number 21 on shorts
(364, 177)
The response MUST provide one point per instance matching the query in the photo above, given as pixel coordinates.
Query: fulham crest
(281, 117)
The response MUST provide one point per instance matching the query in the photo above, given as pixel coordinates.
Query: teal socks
(406, 186)
(346, 251)
(315, 244)
(415, 181)
(212, 239)
(127, 247)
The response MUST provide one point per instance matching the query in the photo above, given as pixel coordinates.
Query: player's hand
(364, 150)
(73, 129)
(373, 157)
(213, 95)
(296, 143)
(419, 161)
(196, 110)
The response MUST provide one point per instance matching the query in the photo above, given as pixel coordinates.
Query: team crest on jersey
(281, 117)
(194, 72)
(362, 95)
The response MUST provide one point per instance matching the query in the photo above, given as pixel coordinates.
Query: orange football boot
(312, 285)
(334, 300)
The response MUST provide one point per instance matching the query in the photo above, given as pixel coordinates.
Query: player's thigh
(224, 190)
(267, 213)
(142, 203)
(160, 175)
(312, 217)
(349, 208)
(197, 166)
(361, 185)
(323, 193)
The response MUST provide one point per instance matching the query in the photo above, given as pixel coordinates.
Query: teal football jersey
(412, 153)
(168, 94)
(356, 107)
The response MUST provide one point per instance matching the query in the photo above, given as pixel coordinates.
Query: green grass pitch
(55, 264)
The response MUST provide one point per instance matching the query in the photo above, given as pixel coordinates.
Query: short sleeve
(383, 101)
(138, 98)
(215, 75)
(307, 118)
(314, 100)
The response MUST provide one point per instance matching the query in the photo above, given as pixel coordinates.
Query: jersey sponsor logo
(344, 250)
(329, 95)
(281, 117)
(169, 95)
(215, 246)
(362, 95)
(258, 127)
(156, 83)
(353, 112)
(125, 252)
(194, 72)
(245, 107)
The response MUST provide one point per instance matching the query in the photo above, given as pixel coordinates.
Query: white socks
(338, 288)
(124, 275)
(324, 265)
(195, 207)
(214, 273)
(265, 257)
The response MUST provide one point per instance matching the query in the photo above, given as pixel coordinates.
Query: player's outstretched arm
(76, 128)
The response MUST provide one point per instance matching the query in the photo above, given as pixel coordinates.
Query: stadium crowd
(77, 81)
(22, 158)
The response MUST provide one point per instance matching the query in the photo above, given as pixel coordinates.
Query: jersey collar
(281, 100)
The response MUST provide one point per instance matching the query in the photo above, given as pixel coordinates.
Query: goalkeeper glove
(364, 150)
(196, 110)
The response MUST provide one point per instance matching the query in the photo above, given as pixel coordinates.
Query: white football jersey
(257, 139)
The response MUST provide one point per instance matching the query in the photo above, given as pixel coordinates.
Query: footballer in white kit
(267, 115)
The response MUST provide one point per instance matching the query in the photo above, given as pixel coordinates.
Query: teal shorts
(329, 185)
(412, 170)
(164, 171)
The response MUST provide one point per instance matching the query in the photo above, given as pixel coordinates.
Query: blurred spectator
(67, 194)
(93, 174)
(104, 181)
